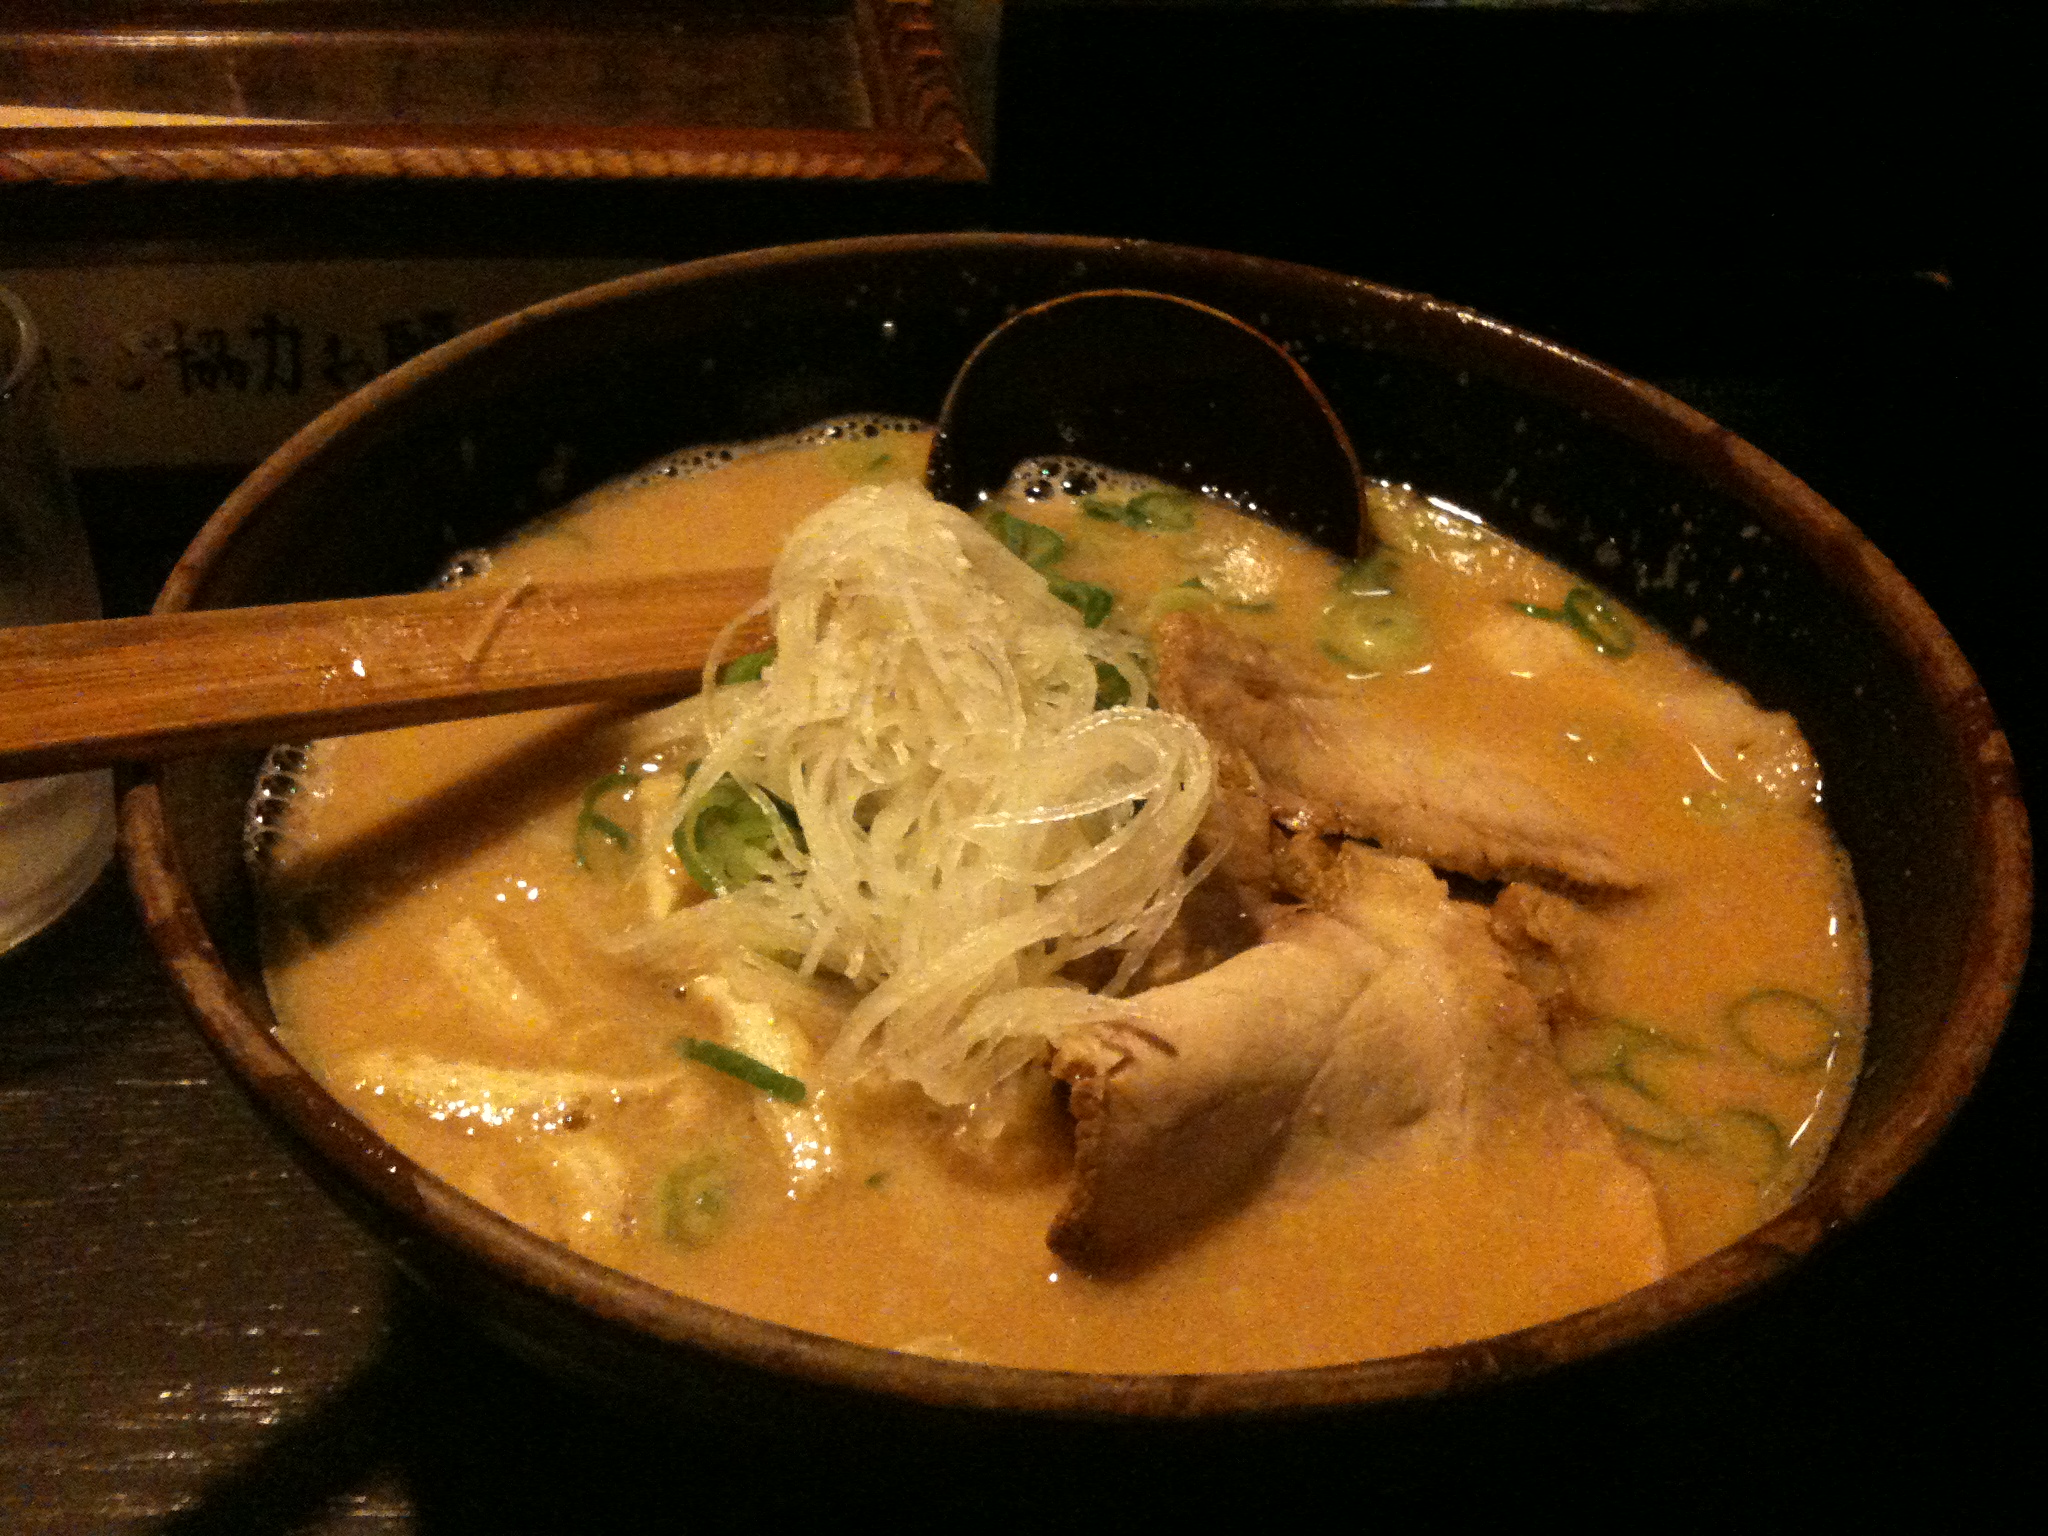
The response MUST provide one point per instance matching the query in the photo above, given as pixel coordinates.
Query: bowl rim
(1844, 1189)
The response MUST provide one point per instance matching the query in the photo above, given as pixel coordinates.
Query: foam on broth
(440, 960)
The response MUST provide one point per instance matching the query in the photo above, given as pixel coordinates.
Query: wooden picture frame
(130, 91)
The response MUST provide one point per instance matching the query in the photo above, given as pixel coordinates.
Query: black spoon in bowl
(1137, 381)
(1153, 385)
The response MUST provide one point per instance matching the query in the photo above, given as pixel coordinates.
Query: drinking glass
(56, 834)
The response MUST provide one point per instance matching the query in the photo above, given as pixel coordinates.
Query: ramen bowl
(1696, 529)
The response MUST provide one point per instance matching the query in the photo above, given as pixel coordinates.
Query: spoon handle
(168, 685)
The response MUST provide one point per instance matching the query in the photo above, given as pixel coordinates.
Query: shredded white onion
(971, 823)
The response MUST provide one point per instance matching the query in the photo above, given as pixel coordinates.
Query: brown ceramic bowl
(1596, 470)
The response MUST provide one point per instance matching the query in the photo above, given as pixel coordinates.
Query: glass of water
(56, 834)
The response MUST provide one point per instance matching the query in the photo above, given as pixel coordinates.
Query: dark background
(1800, 219)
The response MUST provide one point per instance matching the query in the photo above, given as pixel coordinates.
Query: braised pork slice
(1380, 1005)
(1180, 1112)
(1324, 765)
(1547, 938)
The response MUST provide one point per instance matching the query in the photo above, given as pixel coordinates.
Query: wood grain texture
(140, 689)
(857, 89)
(140, 1219)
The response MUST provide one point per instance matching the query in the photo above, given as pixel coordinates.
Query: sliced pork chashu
(1182, 1112)
(1383, 1007)
(1324, 765)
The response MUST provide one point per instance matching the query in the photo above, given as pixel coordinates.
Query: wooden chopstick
(84, 695)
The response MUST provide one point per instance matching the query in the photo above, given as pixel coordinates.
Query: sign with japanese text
(182, 364)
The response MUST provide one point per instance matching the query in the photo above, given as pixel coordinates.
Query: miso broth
(453, 911)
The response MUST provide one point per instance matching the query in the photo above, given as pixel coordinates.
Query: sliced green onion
(610, 830)
(696, 1201)
(1033, 543)
(1617, 1049)
(1592, 618)
(1111, 686)
(1598, 623)
(1368, 625)
(747, 668)
(1617, 1065)
(590, 820)
(1373, 577)
(1090, 601)
(728, 839)
(1786, 1031)
(1748, 1143)
(1188, 597)
(1040, 547)
(1371, 634)
(1160, 511)
(1632, 1110)
(748, 1069)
